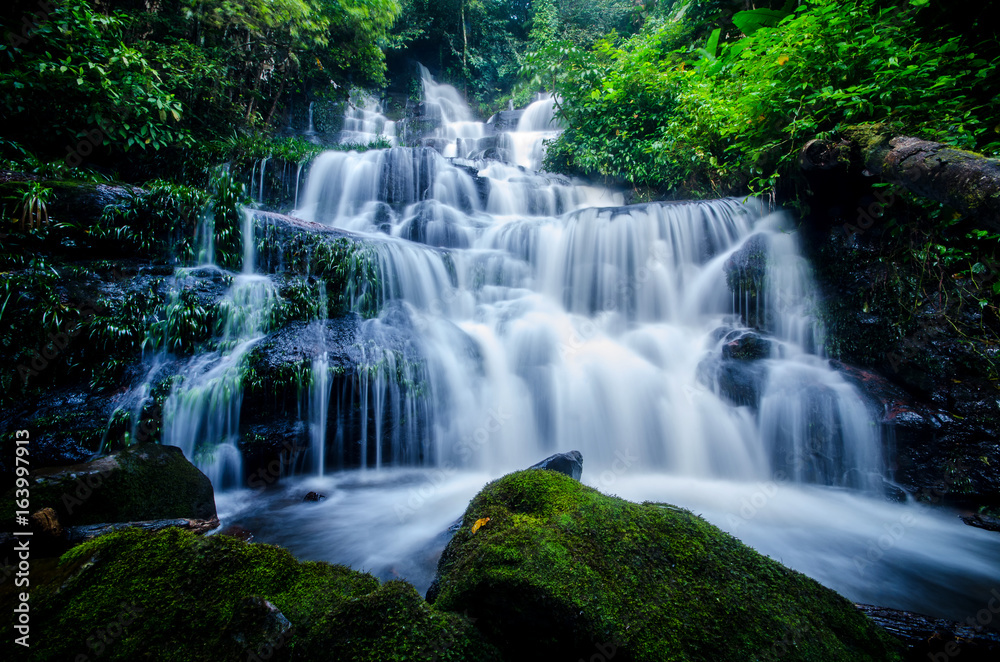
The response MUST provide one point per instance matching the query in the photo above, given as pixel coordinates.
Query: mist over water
(548, 317)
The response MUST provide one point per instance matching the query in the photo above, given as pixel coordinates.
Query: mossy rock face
(172, 595)
(144, 482)
(566, 572)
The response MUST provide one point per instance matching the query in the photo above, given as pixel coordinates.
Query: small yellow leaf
(782, 59)
(479, 523)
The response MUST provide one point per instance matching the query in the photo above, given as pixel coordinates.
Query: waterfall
(364, 122)
(525, 146)
(260, 187)
(676, 345)
(319, 403)
(574, 322)
(459, 132)
(310, 129)
(202, 413)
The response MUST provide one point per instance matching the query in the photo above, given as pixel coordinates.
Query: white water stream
(549, 317)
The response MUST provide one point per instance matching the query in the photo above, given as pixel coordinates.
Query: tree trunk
(465, 53)
(965, 181)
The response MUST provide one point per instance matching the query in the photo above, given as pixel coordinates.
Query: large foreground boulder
(143, 482)
(134, 595)
(553, 567)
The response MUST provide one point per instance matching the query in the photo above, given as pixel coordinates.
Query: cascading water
(202, 413)
(458, 130)
(364, 122)
(525, 147)
(673, 344)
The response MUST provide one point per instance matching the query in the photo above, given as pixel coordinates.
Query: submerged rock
(930, 638)
(78, 534)
(144, 482)
(570, 463)
(568, 573)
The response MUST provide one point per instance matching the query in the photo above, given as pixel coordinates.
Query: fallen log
(966, 181)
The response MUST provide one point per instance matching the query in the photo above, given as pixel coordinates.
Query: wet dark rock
(258, 625)
(981, 521)
(279, 237)
(78, 534)
(84, 203)
(505, 120)
(471, 168)
(434, 224)
(939, 456)
(748, 347)
(746, 273)
(314, 496)
(274, 440)
(238, 532)
(383, 217)
(570, 463)
(144, 482)
(736, 372)
(928, 638)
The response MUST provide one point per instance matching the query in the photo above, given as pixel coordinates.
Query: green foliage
(752, 20)
(159, 220)
(653, 112)
(75, 84)
(228, 199)
(348, 270)
(184, 325)
(475, 44)
(117, 331)
(34, 209)
(87, 83)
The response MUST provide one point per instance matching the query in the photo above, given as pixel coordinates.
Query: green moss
(566, 569)
(192, 598)
(868, 136)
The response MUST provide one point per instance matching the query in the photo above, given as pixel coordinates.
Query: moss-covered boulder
(134, 595)
(143, 482)
(566, 572)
